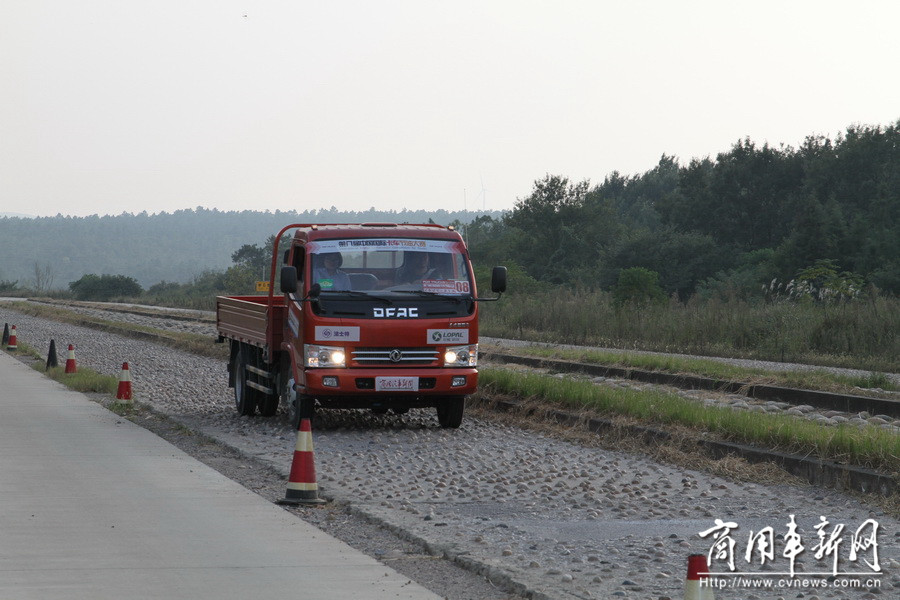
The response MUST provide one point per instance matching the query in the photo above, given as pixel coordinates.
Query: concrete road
(94, 507)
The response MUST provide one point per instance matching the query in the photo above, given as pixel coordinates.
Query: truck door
(294, 323)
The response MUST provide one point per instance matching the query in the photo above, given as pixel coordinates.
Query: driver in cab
(415, 268)
(329, 275)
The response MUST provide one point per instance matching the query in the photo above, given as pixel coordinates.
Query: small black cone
(51, 356)
(5, 334)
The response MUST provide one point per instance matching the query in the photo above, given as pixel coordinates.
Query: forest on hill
(828, 210)
(51, 252)
(747, 223)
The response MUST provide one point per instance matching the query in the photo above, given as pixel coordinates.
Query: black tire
(450, 411)
(268, 405)
(304, 407)
(244, 398)
(307, 406)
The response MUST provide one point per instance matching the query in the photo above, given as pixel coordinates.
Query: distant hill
(161, 247)
(19, 215)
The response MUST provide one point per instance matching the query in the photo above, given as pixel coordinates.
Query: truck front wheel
(244, 398)
(299, 406)
(450, 411)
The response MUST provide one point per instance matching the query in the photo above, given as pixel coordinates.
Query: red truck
(373, 315)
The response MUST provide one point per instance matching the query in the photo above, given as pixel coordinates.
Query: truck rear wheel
(450, 411)
(267, 403)
(244, 396)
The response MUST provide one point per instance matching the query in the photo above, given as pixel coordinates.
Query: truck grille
(395, 356)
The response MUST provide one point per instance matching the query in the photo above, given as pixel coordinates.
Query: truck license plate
(396, 384)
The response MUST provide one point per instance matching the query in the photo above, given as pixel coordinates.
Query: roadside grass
(868, 446)
(813, 380)
(188, 342)
(85, 380)
(863, 334)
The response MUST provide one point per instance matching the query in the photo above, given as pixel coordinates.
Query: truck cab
(377, 316)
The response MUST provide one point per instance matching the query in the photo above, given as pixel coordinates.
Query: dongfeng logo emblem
(395, 356)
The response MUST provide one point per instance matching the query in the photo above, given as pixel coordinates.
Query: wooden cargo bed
(246, 318)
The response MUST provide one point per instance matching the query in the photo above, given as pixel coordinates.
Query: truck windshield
(390, 266)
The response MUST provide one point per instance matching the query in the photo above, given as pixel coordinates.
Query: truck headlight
(461, 356)
(324, 356)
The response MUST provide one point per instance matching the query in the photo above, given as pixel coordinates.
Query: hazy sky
(110, 106)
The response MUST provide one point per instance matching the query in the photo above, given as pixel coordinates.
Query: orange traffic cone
(694, 586)
(11, 345)
(302, 487)
(124, 391)
(70, 360)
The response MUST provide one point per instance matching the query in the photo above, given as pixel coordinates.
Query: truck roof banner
(382, 245)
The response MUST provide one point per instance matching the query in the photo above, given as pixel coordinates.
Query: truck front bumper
(383, 383)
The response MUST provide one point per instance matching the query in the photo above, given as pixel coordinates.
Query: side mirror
(314, 291)
(289, 280)
(498, 284)
(498, 280)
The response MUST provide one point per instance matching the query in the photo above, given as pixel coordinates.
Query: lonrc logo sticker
(447, 336)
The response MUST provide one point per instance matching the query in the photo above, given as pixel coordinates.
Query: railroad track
(818, 399)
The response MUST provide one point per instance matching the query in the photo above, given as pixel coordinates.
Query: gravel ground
(535, 513)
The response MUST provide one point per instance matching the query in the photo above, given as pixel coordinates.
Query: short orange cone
(302, 487)
(70, 360)
(695, 588)
(124, 391)
(11, 345)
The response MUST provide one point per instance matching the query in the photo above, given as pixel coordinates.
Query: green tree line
(743, 223)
